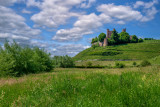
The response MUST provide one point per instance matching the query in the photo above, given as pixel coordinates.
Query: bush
(140, 40)
(119, 65)
(16, 60)
(134, 64)
(89, 64)
(145, 63)
(95, 45)
(134, 39)
(63, 61)
(101, 37)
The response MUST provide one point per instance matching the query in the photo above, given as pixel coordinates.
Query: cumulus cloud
(9, 2)
(70, 49)
(149, 9)
(86, 24)
(53, 12)
(13, 26)
(87, 5)
(145, 4)
(26, 11)
(125, 13)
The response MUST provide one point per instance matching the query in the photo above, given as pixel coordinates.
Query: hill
(131, 51)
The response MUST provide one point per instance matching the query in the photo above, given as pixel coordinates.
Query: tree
(134, 39)
(96, 39)
(115, 36)
(124, 37)
(93, 41)
(101, 37)
(140, 40)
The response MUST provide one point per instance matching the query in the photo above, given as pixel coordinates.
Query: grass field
(132, 51)
(136, 86)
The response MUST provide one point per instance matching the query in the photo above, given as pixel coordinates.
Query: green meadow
(130, 86)
(136, 86)
(131, 51)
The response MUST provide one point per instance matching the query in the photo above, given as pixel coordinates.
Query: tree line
(16, 60)
(116, 38)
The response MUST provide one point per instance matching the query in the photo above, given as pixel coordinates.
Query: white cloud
(120, 12)
(145, 4)
(13, 26)
(33, 3)
(149, 9)
(26, 11)
(9, 2)
(85, 5)
(86, 24)
(70, 49)
(53, 12)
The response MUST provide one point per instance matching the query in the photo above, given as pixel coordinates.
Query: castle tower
(107, 33)
(105, 42)
(113, 29)
(124, 30)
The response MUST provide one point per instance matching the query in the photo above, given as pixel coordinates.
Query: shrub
(140, 40)
(89, 64)
(134, 39)
(145, 63)
(119, 65)
(16, 60)
(101, 37)
(134, 64)
(95, 45)
(63, 61)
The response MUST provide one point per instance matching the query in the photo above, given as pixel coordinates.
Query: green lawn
(72, 87)
(132, 51)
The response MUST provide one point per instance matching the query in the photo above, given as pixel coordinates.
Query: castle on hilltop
(108, 35)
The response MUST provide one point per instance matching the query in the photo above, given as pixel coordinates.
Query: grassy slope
(140, 51)
(84, 87)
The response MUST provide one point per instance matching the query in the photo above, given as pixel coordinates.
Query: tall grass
(88, 90)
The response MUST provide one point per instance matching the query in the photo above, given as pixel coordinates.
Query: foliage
(145, 63)
(111, 42)
(149, 39)
(87, 88)
(16, 60)
(119, 65)
(63, 61)
(94, 40)
(134, 64)
(95, 45)
(89, 64)
(124, 37)
(115, 36)
(101, 37)
(140, 40)
(134, 39)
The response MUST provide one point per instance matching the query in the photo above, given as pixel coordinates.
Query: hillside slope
(132, 51)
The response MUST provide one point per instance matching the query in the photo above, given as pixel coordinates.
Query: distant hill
(131, 51)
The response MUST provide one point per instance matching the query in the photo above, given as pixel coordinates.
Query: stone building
(108, 35)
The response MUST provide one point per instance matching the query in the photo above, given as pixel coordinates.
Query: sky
(66, 27)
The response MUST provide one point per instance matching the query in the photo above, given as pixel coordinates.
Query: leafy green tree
(134, 39)
(93, 41)
(111, 42)
(124, 37)
(115, 36)
(101, 37)
(96, 39)
(140, 40)
(63, 61)
(16, 60)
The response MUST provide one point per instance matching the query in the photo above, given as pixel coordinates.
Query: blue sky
(66, 27)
